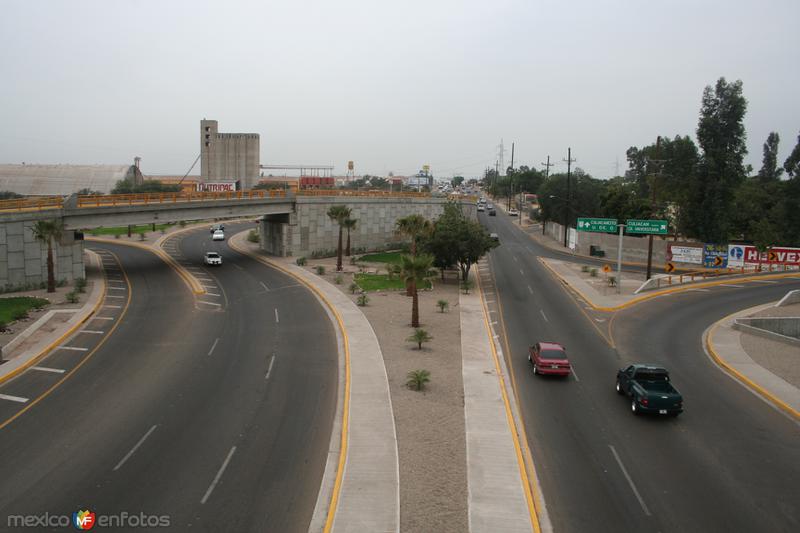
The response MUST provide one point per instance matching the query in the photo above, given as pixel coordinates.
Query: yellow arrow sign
(717, 261)
(669, 267)
(773, 256)
(606, 268)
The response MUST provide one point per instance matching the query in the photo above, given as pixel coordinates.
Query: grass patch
(123, 230)
(381, 282)
(388, 257)
(13, 307)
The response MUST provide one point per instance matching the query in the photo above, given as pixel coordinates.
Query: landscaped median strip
(191, 281)
(693, 287)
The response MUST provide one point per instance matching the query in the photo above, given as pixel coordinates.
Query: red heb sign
(782, 256)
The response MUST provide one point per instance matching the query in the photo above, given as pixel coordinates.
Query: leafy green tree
(339, 213)
(473, 243)
(770, 171)
(721, 135)
(9, 195)
(442, 242)
(456, 181)
(792, 163)
(349, 224)
(149, 186)
(413, 270)
(46, 231)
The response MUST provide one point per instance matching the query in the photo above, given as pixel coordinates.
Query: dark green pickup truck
(649, 389)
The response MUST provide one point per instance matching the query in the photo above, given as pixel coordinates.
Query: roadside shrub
(163, 231)
(3, 326)
(417, 379)
(419, 336)
(252, 236)
(338, 279)
(142, 236)
(466, 285)
(612, 281)
(116, 235)
(301, 261)
(20, 314)
(584, 268)
(443, 305)
(72, 297)
(353, 260)
(80, 284)
(362, 300)
(182, 223)
(353, 288)
(62, 282)
(320, 270)
(593, 272)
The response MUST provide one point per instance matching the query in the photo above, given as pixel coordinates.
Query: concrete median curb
(19, 364)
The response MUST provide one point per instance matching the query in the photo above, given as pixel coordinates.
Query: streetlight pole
(619, 259)
(569, 194)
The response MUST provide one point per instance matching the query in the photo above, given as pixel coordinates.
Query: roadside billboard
(715, 256)
(740, 255)
(682, 253)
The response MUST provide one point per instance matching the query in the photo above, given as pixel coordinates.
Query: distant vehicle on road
(218, 235)
(494, 237)
(212, 258)
(513, 212)
(217, 227)
(492, 212)
(549, 358)
(489, 206)
(480, 208)
(649, 389)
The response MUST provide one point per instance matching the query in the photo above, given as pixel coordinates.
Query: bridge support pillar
(274, 233)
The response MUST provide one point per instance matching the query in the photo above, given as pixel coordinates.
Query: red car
(549, 358)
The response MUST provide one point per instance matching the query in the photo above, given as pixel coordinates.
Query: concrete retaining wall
(792, 297)
(23, 259)
(785, 326)
(309, 229)
(634, 249)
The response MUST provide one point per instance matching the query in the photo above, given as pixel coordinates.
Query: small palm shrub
(443, 305)
(362, 300)
(252, 235)
(301, 261)
(593, 272)
(584, 268)
(320, 270)
(72, 297)
(466, 285)
(338, 279)
(354, 288)
(419, 336)
(142, 236)
(80, 284)
(417, 379)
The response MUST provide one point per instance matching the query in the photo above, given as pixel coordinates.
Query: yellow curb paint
(82, 361)
(510, 419)
(58, 341)
(537, 493)
(194, 285)
(741, 377)
(337, 486)
(673, 290)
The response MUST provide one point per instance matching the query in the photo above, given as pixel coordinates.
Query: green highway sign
(658, 227)
(601, 225)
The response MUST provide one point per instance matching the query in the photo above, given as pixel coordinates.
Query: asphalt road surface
(217, 415)
(730, 462)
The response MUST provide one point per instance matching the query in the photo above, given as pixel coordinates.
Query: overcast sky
(390, 85)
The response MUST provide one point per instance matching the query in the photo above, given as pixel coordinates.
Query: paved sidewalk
(39, 338)
(497, 492)
(369, 496)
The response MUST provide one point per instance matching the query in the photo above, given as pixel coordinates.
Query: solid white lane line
(209, 286)
(218, 476)
(265, 286)
(729, 285)
(75, 348)
(212, 294)
(128, 455)
(213, 346)
(112, 296)
(271, 361)
(10, 398)
(574, 374)
(47, 369)
(762, 281)
(209, 303)
(92, 331)
(104, 318)
(529, 289)
(698, 290)
(204, 279)
(117, 288)
(544, 316)
(630, 481)
(277, 320)
(113, 306)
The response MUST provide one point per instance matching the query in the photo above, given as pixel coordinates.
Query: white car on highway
(212, 258)
(218, 235)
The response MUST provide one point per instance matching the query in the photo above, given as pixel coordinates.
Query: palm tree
(339, 213)
(414, 269)
(349, 224)
(420, 336)
(417, 379)
(415, 226)
(45, 231)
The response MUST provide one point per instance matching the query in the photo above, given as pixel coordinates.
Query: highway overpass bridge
(291, 225)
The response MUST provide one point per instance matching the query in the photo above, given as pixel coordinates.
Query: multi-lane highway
(215, 411)
(731, 462)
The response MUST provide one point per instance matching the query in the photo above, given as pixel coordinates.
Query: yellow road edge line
(52, 346)
(190, 280)
(510, 418)
(650, 296)
(537, 491)
(346, 408)
(82, 361)
(741, 377)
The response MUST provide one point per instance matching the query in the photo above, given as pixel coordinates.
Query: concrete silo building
(228, 157)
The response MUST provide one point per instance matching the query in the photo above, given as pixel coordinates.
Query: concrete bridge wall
(309, 229)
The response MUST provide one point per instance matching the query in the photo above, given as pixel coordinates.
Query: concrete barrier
(792, 297)
(784, 329)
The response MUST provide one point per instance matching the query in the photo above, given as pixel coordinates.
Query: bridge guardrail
(104, 200)
(368, 194)
(667, 280)
(32, 204)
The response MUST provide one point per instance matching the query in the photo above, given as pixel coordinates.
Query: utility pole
(547, 167)
(569, 161)
(512, 155)
(653, 205)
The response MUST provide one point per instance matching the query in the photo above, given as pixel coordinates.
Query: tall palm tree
(415, 226)
(349, 224)
(339, 213)
(414, 269)
(46, 231)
